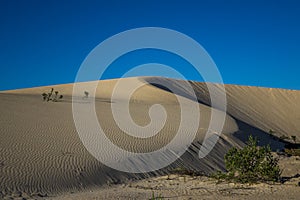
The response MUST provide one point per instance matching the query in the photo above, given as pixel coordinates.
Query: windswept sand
(41, 153)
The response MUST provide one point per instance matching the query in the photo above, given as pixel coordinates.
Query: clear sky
(252, 42)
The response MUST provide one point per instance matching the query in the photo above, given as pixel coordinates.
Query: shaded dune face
(263, 108)
(40, 150)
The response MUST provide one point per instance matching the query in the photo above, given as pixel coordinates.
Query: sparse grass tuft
(292, 152)
(159, 197)
(184, 171)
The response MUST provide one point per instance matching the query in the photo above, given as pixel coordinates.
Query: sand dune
(41, 152)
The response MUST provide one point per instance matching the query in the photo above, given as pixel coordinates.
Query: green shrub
(250, 164)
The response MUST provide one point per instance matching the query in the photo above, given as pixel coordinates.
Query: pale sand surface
(176, 186)
(41, 153)
(188, 187)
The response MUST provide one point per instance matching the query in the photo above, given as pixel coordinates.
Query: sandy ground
(175, 186)
(41, 154)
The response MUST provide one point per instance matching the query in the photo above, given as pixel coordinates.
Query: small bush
(51, 97)
(45, 96)
(86, 94)
(250, 164)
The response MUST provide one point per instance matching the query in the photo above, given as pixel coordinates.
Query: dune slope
(41, 152)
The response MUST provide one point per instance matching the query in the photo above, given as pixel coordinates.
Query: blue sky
(252, 42)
